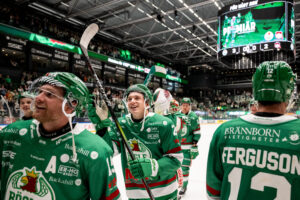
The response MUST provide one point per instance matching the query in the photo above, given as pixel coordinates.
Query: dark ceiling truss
(209, 21)
(144, 19)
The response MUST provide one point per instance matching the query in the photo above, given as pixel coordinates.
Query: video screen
(263, 23)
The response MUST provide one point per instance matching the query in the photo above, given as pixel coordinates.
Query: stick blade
(88, 34)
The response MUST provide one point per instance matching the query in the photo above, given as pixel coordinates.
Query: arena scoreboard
(255, 26)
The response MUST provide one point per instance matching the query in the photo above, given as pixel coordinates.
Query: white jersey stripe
(212, 198)
(267, 120)
(157, 192)
(185, 147)
(178, 156)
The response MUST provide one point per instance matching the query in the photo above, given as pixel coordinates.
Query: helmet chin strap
(145, 110)
(70, 116)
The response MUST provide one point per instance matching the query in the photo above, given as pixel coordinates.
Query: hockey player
(189, 141)
(256, 156)
(25, 101)
(49, 158)
(154, 143)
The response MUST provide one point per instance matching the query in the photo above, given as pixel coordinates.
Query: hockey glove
(102, 111)
(143, 168)
(194, 152)
(100, 120)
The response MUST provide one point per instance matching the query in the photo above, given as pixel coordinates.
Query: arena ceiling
(182, 32)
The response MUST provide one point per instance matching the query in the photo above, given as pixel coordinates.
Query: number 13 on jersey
(258, 182)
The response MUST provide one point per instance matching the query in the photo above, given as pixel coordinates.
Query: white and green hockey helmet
(273, 81)
(26, 94)
(76, 92)
(141, 89)
(161, 99)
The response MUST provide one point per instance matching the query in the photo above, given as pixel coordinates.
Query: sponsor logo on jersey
(7, 164)
(37, 158)
(154, 123)
(153, 136)
(67, 171)
(139, 149)
(8, 154)
(11, 143)
(62, 140)
(42, 142)
(152, 133)
(28, 184)
(78, 150)
(253, 134)
(77, 182)
(11, 130)
(263, 159)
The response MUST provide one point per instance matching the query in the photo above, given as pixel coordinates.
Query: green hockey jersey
(193, 133)
(157, 140)
(255, 157)
(179, 120)
(34, 167)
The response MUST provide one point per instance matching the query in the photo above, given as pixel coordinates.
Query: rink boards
(90, 126)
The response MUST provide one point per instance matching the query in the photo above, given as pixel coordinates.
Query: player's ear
(70, 107)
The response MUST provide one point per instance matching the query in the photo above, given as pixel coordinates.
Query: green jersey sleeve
(102, 180)
(195, 124)
(214, 172)
(173, 157)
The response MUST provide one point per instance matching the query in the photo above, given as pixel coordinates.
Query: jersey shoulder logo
(292, 138)
(30, 184)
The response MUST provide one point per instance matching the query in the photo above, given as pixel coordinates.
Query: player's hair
(268, 103)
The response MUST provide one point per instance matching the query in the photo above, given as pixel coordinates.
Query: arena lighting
(76, 21)
(176, 14)
(160, 18)
(64, 4)
(215, 2)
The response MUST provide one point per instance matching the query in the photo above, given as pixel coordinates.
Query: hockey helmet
(76, 91)
(141, 89)
(186, 100)
(273, 81)
(26, 94)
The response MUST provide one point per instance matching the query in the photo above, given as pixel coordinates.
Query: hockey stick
(86, 37)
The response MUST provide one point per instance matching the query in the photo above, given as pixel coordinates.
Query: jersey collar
(267, 120)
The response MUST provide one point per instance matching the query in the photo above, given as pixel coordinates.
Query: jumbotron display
(253, 26)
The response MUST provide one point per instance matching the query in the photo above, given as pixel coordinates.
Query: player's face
(185, 108)
(48, 103)
(25, 106)
(136, 106)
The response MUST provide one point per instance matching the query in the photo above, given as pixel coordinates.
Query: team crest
(139, 149)
(28, 184)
